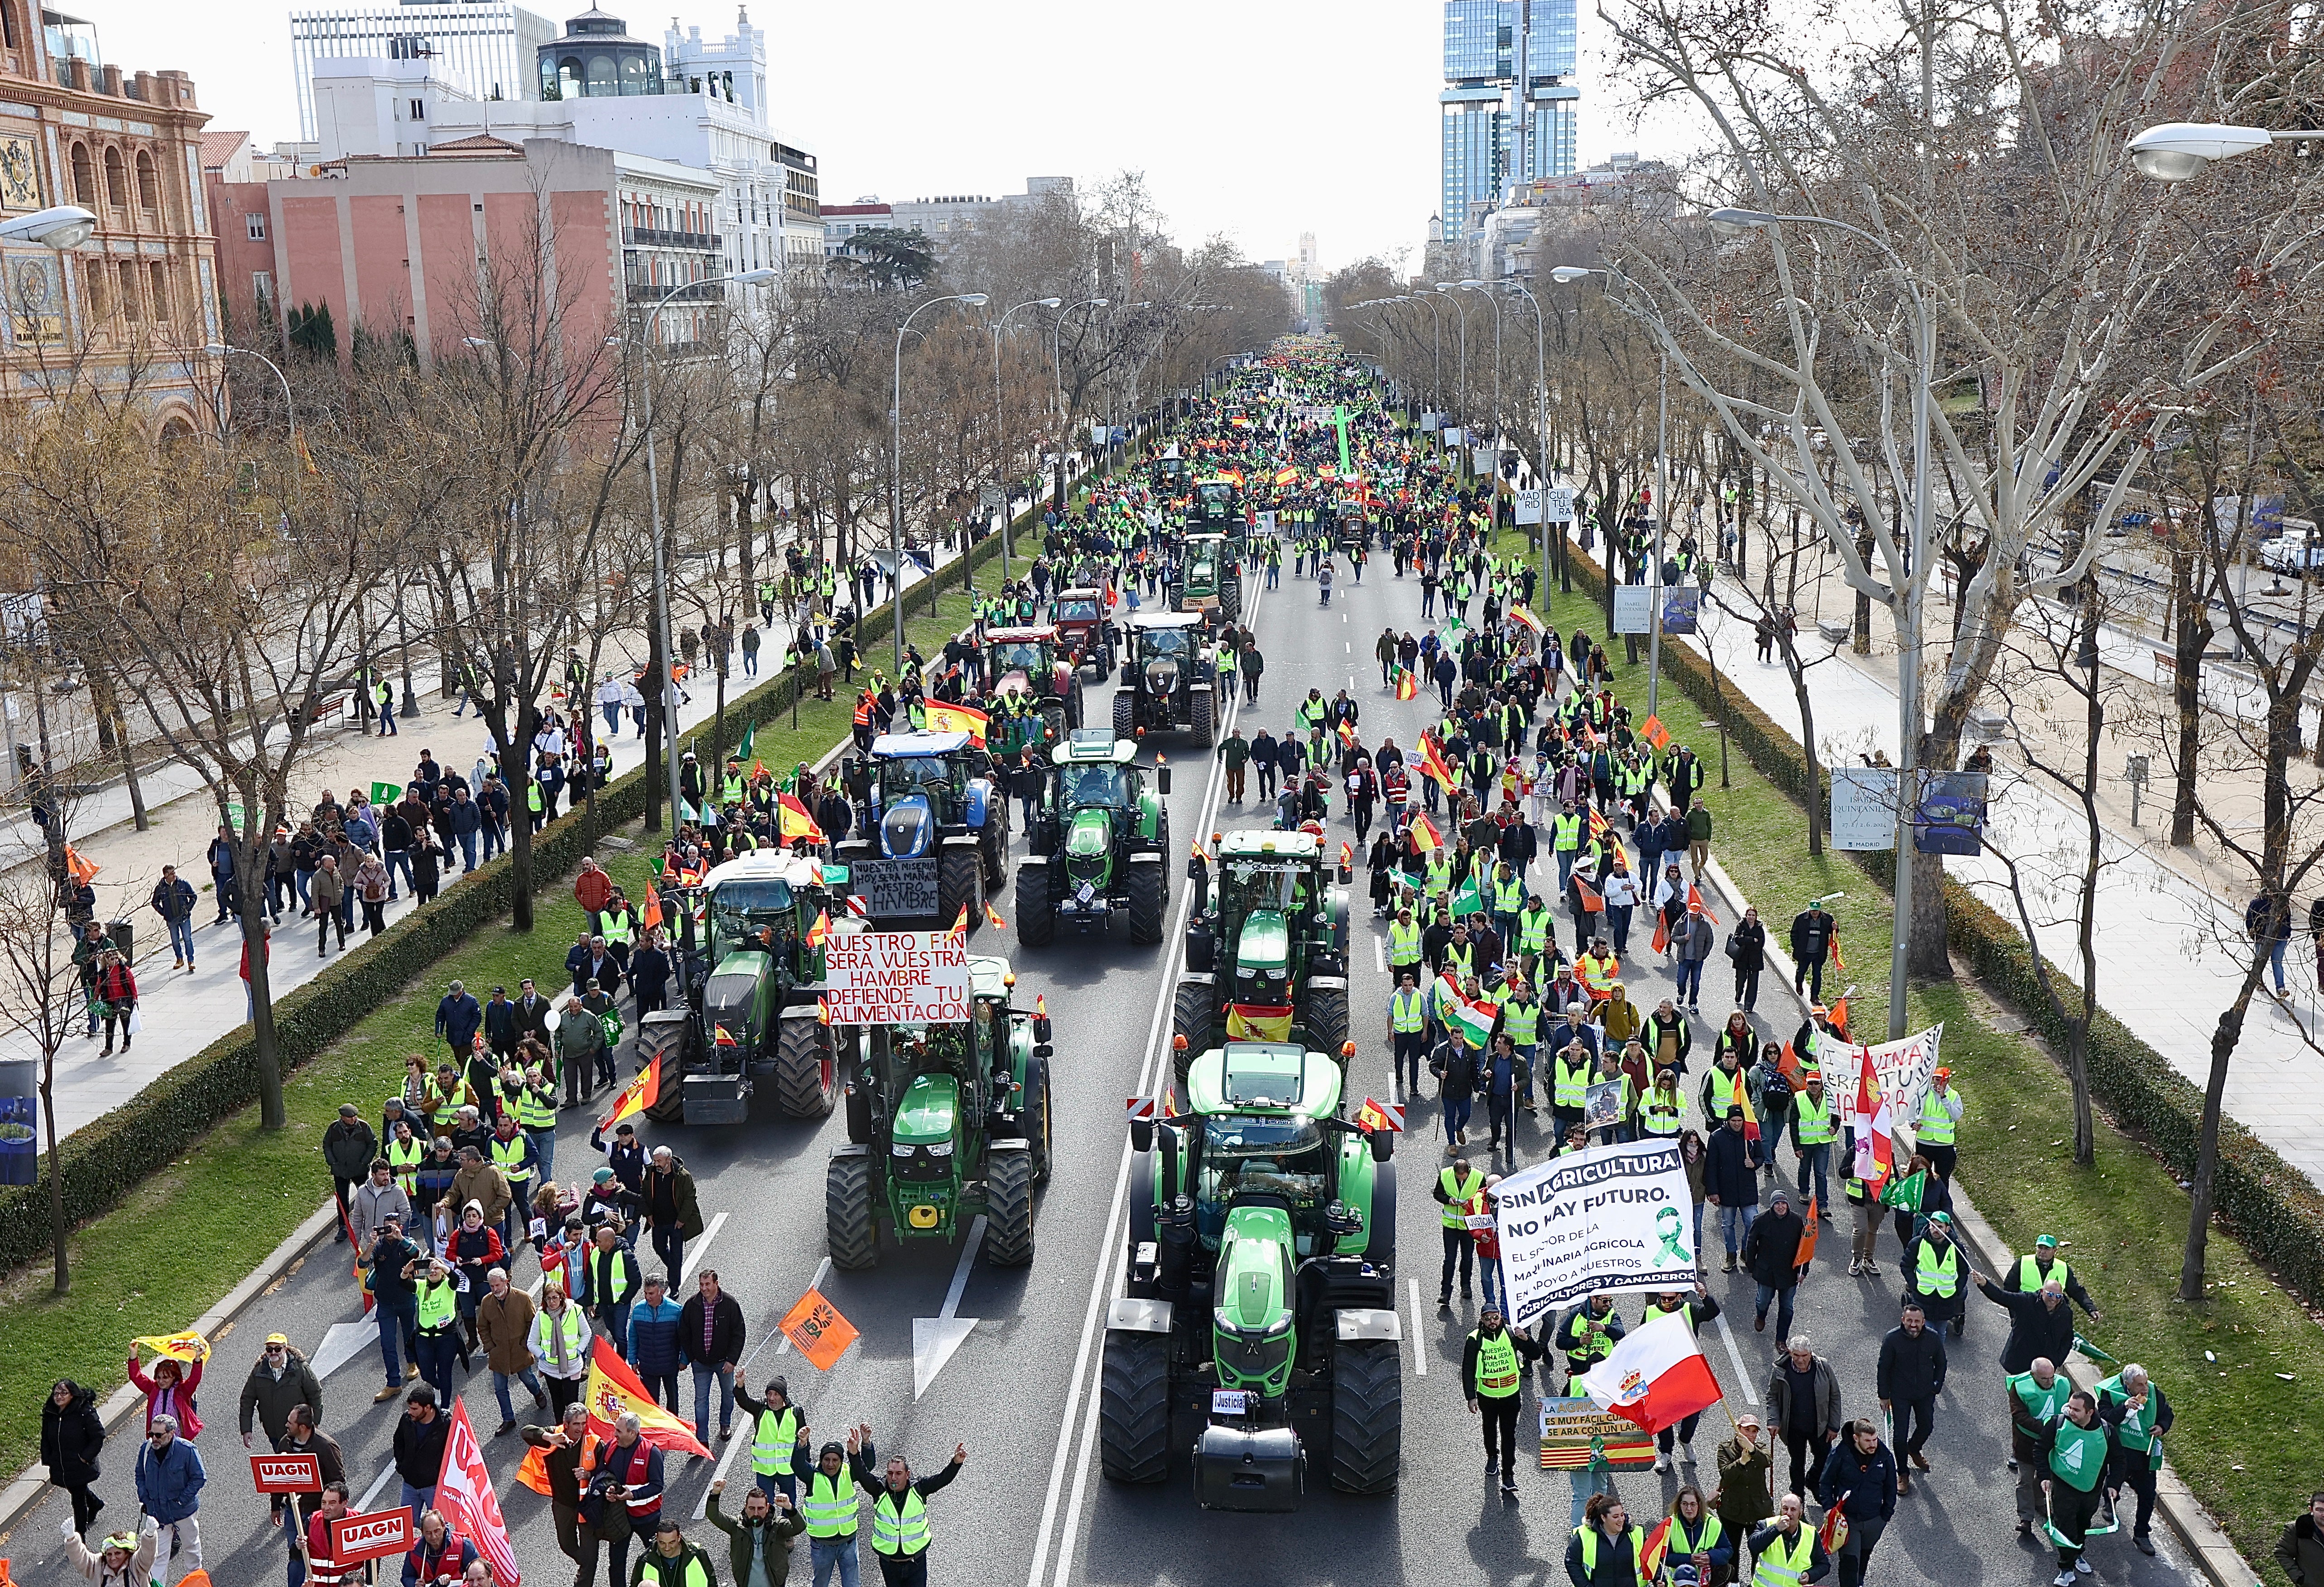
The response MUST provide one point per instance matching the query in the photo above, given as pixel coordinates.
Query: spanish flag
(1838, 965)
(1259, 1022)
(967, 719)
(992, 916)
(1425, 835)
(1407, 685)
(1286, 476)
(793, 819)
(1432, 761)
(637, 1096)
(615, 1391)
(1521, 613)
(1347, 736)
(821, 929)
(960, 927)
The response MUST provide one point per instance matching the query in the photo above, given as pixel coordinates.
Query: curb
(18, 1498)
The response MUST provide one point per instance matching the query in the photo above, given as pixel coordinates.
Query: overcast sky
(1257, 118)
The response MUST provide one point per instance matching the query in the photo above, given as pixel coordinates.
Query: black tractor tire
(1367, 1416)
(1380, 1227)
(1150, 898)
(1036, 1122)
(1008, 1206)
(993, 843)
(1141, 1216)
(1133, 1407)
(669, 1043)
(1230, 600)
(1074, 715)
(960, 881)
(859, 1114)
(1125, 713)
(1192, 1015)
(807, 1068)
(1202, 719)
(1036, 909)
(1059, 720)
(1327, 1022)
(851, 1225)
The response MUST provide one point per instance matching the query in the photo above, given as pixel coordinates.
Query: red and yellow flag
(638, 1095)
(794, 820)
(1406, 685)
(1651, 1552)
(967, 719)
(992, 917)
(1432, 761)
(1425, 835)
(1838, 965)
(960, 927)
(615, 1390)
(817, 932)
(1347, 736)
(1286, 476)
(1040, 1006)
(1259, 1022)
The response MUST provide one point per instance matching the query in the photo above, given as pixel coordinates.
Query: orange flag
(1806, 1252)
(816, 1326)
(1695, 905)
(1661, 934)
(1593, 902)
(653, 916)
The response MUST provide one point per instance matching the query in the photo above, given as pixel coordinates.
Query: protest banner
(896, 978)
(1609, 1219)
(1575, 1435)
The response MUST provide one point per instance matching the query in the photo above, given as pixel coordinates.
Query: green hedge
(105, 1158)
(2276, 1210)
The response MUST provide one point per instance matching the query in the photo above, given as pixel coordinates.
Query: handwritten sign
(286, 1473)
(821, 1334)
(381, 1535)
(897, 978)
(1611, 1218)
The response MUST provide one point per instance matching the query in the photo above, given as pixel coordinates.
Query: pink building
(407, 243)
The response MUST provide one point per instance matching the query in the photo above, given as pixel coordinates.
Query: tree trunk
(2224, 1038)
(1861, 641)
(271, 1115)
(112, 722)
(515, 750)
(57, 1229)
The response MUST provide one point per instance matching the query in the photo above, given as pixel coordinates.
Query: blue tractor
(934, 827)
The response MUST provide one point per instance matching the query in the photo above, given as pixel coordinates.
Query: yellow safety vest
(507, 1156)
(1533, 931)
(1572, 1082)
(1938, 1279)
(2030, 1276)
(1935, 1124)
(1782, 1564)
(773, 1436)
(437, 1305)
(532, 1112)
(1566, 832)
(1508, 897)
(405, 1158)
(1409, 1011)
(1660, 1113)
(1497, 1364)
(1814, 1123)
(1591, 1535)
(621, 925)
(1402, 942)
(1523, 1021)
(1457, 1194)
(899, 1529)
(827, 1504)
(1461, 957)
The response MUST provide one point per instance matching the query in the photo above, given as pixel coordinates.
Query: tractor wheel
(667, 1042)
(851, 1228)
(1036, 911)
(1141, 1216)
(1191, 1016)
(993, 844)
(1074, 715)
(1230, 600)
(1133, 1407)
(1367, 1416)
(1058, 720)
(859, 1114)
(807, 1069)
(1201, 718)
(1327, 1022)
(1150, 898)
(1380, 1227)
(1125, 713)
(1008, 1206)
(960, 876)
(1034, 1117)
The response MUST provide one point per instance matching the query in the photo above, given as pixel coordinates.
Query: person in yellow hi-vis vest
(901, 1534)
(1492, 1377)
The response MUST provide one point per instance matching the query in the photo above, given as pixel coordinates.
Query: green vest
(1592, 1536)
(827, 1504)
(1783, 1563)
(2041, 1404)
(1814, 1123)
(1685, 1545)
(1458, 1195)
(2136, 1428)
(1533, 931)
(1572, 1082)
(731, 789)
(532, 797)
(437, 1302)
(1402, 942)
(1566, 833)
(405, 1158)
(1522, 1021)
(1931, 1276)
(773, 1436)
(508, 1157)
(1934, 1124)
(1439, 869)
(1408, 1010)
(899, 1529)
(2079, 1455)
(1497, 1364)
(1660, 1113)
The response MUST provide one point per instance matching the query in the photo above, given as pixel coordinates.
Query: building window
(158, 274)
(95, 280)
(84, 177)
(117, 181)
(133, 305)
(149, 185)
(420, 110)
(255, 225)
(261, 287)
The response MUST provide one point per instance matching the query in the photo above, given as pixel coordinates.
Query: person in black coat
(1859, 1480)
(71, 1434)
(2040, 1325)
(649, 973)
(1746, 949)
(1731, 1181)
(1910, 1377)
(1771, 1251)
(532, 1014)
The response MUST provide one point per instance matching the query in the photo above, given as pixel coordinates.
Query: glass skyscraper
(1487, 43)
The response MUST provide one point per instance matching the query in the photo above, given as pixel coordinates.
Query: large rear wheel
(1367, 1416)
(1327, 1022)
(1008, 1206)
(959, 879)
(1036, 914)
(1201, 720)
(851, 1229)
(1125, 713)
(1033, 1115)
(806, 1070)
(1191, 1013)
(1150, 898)
(666, 1041)
(1133, 1407)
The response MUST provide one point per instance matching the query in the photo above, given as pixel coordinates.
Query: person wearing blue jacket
(654, 1348)
(169, 1479)
(1859, 1480)
(459, 1017)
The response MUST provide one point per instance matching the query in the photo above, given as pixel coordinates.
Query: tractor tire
(1125, 713)
(1133, 1407)
(1230, 600)
(1327, 1022)
(1150, 898)
(807, 1068)
(1074, 714)
(1036, 910)
(859, 1114)
(1036, 1120)
(959, 881)
(1192, 1015)
(1367, 1416)
(993, 844)
(1141, 1218)
(851, 1225)
(1008, 1206)
(668, 1042)
(1059, 720)
(1380, 1228)
(1202, 719)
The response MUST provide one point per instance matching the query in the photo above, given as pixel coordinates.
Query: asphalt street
(1020, 1391)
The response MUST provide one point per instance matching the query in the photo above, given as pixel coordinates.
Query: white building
(487, 46)
(944, 219)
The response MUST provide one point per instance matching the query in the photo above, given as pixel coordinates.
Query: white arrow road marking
(341, 1344)
(934, 1339)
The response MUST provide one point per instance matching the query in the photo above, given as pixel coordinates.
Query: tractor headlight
(940, 1149)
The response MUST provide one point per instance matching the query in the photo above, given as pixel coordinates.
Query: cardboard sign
(1863, 807)
(897, 978)
(286, 1473)
(1611, 1218)
(821, 1334)
(1575, 1434)
(381, 1535)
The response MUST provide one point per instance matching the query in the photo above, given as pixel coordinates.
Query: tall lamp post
(1448, 288)
(1734, 222)
(1473, 285)
(1541, 399)
(896, 475)
(999, 426)
(1057, 373)
(669, 681)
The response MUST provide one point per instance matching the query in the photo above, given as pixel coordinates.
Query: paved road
(1031, 1506)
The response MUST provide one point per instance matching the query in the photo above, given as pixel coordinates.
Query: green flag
(750, 737)
(1466, 900)
(1906, 1192)
(386, 793)
(1339, 422)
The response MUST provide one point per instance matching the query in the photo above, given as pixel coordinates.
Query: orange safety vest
(864, 710)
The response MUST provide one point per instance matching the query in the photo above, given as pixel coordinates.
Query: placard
(1528, 505)
(1557, 504)
(1601, 1104)
(1682, 608)
(894, 888)
(1951, 817)
(1609, 1219)
(1864, 809)
(1634, 608)
(896, 978)
(1575, 1435)
(286, 1473)
(381, 1535)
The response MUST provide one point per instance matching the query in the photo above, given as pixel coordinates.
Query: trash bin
(124, 937)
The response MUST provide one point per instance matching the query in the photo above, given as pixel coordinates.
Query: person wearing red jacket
(321, 1567)
(115, 987)
(169, 1392)
(1488, 1250)
(440, 1558)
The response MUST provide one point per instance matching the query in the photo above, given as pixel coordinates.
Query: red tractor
(1033, 663)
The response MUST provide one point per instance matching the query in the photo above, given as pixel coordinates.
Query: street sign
(989, 499)
(1557, 504)
(1529, 505)
(381, 1535)
(286, 1473)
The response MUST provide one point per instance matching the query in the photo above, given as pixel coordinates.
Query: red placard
(286, 1473)
(381, 1535)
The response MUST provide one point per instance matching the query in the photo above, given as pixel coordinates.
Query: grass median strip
(185, 1236)
(2240, 1442)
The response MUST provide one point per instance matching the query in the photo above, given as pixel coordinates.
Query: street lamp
(220, 350)
(896, 466)
(2177, 151)
(1490, 297)
(999, 428)
(1448, 288)
(66, 226)
(669, 681)
(2185, 152)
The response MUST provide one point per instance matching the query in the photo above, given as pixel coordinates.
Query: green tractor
(752, 1016)
(1211, 580)
(1259, 1300)
(1100, 845)
(1268, 957)
(1167, 681)
(946, 1123)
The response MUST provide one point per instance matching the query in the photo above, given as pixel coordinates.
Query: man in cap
(827, 1504)
(1492, 1379)
(1771, 1253)
(1933, 1273)
(2040, 1324)
(169, 1479)
(2031, 1272)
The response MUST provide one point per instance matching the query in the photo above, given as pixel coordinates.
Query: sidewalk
(2149, 916)
(184, 1013)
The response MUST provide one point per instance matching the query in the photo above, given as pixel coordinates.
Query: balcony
(701, 291)
(647, 237)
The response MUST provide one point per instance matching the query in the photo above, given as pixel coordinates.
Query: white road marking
(1742, 1375)
(1419, 1347)
(1109, 1271)
(934, 1339)
(696, 1247)
(735, 1446)
(1379, 955)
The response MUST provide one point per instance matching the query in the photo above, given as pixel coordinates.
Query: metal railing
(647, 236)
